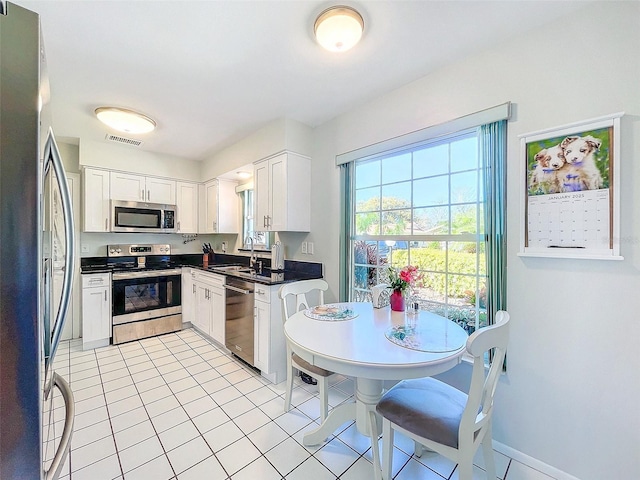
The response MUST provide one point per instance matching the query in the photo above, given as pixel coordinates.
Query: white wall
(569, 398)
(130, 159)
(70, 155)
(278, 135)
(95, 244)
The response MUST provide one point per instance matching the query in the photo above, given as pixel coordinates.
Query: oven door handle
(149, 274)
(239, 290)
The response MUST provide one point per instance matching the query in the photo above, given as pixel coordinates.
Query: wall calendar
(571, 199)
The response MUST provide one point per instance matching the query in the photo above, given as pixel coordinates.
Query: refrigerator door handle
(65, 442)
(47, 306)
(52, 158)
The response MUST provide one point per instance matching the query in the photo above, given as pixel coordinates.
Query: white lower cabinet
(218, 313)
(203, 313)
(269, 342)
(208, 313)
(261, 335)
(96, 310)
(188, 295)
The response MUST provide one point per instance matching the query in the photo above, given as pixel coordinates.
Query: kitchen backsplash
(95, 244)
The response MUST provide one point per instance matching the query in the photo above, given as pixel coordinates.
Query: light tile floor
(176, 407)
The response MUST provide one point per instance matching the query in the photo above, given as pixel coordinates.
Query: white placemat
(423, 339)
(331, 312)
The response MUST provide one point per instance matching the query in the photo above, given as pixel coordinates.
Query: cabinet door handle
(194, 289)
(148, 195)
(142, 194)
(106, 224)
(178, 225)
(105, 295)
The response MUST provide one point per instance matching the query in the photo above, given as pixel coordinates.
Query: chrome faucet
(253, 259)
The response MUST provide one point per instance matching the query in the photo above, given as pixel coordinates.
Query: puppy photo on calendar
(547, 176)
(579, 154)
(569, 163)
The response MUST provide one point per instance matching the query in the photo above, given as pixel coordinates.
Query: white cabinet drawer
(95, 280)
(210, 278)
(261, 293)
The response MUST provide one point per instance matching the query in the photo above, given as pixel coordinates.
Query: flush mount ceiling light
(338, 28)
(124, 120)
(243, 174)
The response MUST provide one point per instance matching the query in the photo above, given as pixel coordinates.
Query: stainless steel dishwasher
(238, 336)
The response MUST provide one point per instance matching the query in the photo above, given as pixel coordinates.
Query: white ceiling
(212, 72)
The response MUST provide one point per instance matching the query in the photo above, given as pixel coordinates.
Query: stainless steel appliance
(36, 238)
(146, 299)
(238, 330)
(142, 217)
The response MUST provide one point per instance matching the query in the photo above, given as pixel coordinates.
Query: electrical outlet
(310, 248)
(304, 247)
(84, 248)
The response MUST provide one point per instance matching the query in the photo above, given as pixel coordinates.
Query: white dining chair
(442, 418)
(300, 291)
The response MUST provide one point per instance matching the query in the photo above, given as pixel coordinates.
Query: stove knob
(118, 250)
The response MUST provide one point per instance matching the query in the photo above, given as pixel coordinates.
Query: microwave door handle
(52, 158)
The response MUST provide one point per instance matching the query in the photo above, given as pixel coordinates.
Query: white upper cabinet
(138, 188)
(95, 184)
(282, 193)
(161, 190)
(187, 203)
(219, 207)
(125, 186)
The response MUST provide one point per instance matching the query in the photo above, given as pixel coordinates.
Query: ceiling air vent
(126, 141)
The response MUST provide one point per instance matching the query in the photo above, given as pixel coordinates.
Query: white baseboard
(90, 345)
(532, 462)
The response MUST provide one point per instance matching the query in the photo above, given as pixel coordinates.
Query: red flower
(408, 276)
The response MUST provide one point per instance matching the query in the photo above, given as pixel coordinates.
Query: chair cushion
(426, 407)
(297, 361)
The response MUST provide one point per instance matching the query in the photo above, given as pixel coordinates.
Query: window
(260, 239)
(424, 206)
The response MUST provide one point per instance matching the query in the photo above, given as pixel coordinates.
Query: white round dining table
(359, 348)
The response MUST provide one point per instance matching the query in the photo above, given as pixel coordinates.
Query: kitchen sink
(232, 268)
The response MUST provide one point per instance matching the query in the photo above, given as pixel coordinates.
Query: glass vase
(396, 300)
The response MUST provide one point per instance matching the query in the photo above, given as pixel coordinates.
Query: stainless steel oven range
(146, 295)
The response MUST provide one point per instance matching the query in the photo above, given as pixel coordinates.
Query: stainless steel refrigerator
(36, 237)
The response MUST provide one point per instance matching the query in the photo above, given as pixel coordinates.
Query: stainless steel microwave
(142, 217)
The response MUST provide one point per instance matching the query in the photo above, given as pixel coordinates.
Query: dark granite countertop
(294, 271)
